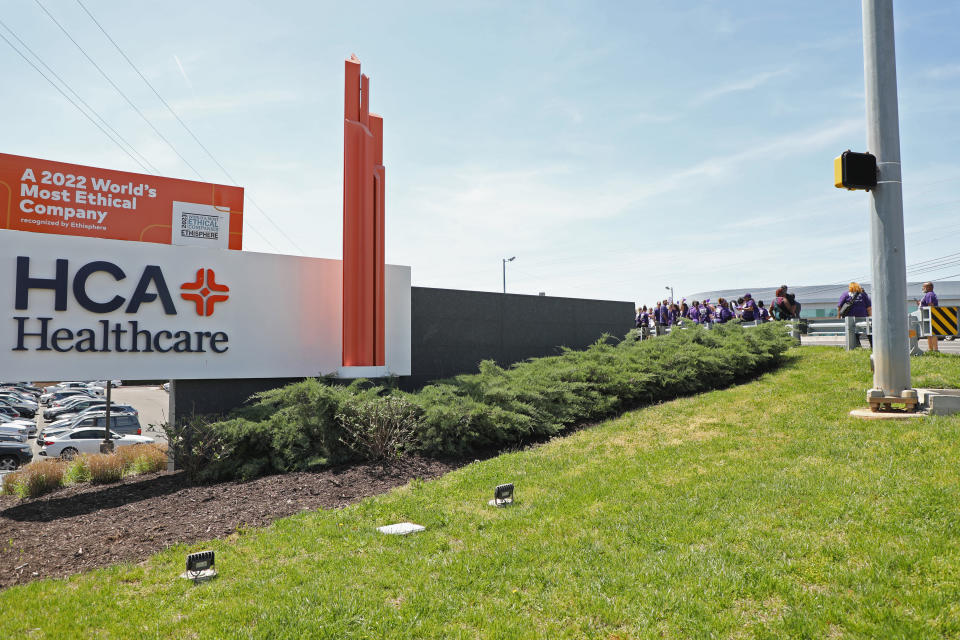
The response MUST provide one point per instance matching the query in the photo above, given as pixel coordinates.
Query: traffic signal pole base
(880, 402)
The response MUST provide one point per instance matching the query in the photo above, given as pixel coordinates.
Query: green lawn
(757, 511)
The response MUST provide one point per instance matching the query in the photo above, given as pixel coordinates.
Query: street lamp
(505, 261)
(670, 289)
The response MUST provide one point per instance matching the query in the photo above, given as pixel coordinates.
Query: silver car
(68, 444)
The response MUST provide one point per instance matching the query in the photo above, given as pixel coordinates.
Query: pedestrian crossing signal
(852, 170)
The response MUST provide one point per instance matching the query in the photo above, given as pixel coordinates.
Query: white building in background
(819, 301)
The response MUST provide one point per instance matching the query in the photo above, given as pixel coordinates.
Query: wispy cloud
(943, 71)
(183, 71)
(747, 84)
(486, 200)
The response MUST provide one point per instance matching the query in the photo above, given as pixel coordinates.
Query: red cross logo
(204, 286)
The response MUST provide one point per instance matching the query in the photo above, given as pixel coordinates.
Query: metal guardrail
(852, 329)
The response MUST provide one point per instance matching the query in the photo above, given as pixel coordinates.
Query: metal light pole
(891, 378)
(107, 445)
(670, 289)
(505, 261)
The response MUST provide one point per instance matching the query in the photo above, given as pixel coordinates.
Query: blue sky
(614, 148)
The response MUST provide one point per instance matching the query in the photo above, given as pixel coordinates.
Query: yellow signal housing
(855, 171)
(838, 172)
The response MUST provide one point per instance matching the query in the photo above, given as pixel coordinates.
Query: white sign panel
(200, 225)
(87, 308)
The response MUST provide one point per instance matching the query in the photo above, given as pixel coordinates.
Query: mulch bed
(88, 526)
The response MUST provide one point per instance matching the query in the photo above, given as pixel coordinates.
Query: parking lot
(152, 403)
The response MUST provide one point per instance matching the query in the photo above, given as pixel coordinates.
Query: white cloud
(747, 84)
(183, 72)
(943, 71)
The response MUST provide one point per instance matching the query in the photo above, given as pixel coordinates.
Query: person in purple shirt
(706, 313)
(859, 307)
(749, 311)
(929, 300)
(643, 322)
(665, 313)
(694, 312)
(724, 314)
(675, 314)
(762, 312)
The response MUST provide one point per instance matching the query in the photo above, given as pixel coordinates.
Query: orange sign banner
(70, 199)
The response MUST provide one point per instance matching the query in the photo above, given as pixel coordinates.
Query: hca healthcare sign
(85, 308)
(70, 199)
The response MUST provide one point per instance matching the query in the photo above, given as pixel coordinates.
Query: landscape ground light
(502, 495)
(200, 567)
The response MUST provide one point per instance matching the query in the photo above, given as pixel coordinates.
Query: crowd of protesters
(853, 303)
(744, 309)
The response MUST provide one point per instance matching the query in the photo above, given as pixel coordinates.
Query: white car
(68, 444)
(29, 425)
(16, 399)
(18, 432)
(47, 398)
(63, 386)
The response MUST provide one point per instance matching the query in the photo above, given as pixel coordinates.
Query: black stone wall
(451, 332)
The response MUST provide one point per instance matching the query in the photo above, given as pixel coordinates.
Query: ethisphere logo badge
(204, 286)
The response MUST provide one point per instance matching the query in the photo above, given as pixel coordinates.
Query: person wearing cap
(858, 304)
(749, 311)
(929, 300)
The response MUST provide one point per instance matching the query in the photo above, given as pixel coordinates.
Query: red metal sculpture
(363, 237)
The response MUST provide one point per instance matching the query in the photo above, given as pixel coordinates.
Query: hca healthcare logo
(39, 333)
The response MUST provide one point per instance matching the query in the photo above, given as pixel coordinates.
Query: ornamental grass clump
(142, 458)
(105, 467)
(78, 470)
(35, 479)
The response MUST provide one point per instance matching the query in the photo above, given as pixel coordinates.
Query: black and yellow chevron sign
(943, 321)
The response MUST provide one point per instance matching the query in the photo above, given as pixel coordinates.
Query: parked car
(30, 425)
(61, 386)
(66, 423)
(15, 412)
(97, 408)
(23, 393)
(19, 432)
(69, 401)
(69, 443)
(25, 385)
(12, 455)
(69, 405)
(59, 394)
(27, 408)
(125, 423)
